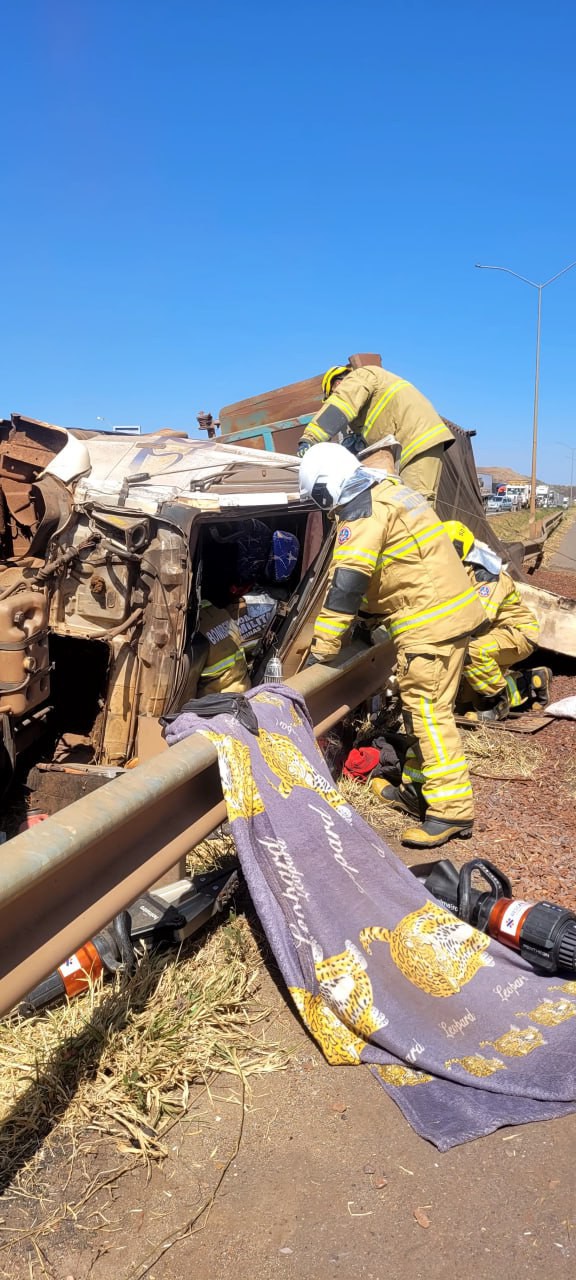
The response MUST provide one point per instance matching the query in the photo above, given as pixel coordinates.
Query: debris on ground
(122, 1061)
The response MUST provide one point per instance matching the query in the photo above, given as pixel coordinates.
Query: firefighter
(393, 563)
(369, 403)
(225, 669)
(510, 637)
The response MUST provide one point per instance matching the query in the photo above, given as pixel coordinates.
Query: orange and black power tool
(162, 918)
(543, 933)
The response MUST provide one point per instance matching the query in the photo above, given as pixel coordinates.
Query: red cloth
(361, 762)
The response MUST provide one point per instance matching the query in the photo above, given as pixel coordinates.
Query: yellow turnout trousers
(490, 656)
(428, 682)
(423, 473)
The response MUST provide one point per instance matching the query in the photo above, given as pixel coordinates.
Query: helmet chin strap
(321, 495)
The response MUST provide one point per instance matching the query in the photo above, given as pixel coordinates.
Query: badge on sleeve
(484, 591)
(344, 535)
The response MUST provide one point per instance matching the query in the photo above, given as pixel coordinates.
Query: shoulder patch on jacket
(357, 509)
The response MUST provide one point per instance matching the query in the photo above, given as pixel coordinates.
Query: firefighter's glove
(354, 443)
(303, 447)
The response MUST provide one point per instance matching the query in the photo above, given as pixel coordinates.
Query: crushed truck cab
(109, 546)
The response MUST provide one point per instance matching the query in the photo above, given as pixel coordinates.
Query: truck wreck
(108, 546)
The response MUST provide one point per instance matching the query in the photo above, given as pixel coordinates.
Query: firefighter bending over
(510, 637)
(393, 563)
(369, 403)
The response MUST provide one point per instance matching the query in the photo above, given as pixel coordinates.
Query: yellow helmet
(337, 371)
(461, 536)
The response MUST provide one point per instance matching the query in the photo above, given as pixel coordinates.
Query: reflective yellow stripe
(426, 437)
(350, 554)
(412, 775)
(382, 402)
(224, 665)
(432, 730)
(343, 406)
(404, 548)
(317, 432)
(432, 713)
(327, 627)
(420, 619)
(516, 698)
(440, 770)
(480, 686)
(490, 672)
(447, 793)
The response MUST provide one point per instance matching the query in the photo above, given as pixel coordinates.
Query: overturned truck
(109, 544)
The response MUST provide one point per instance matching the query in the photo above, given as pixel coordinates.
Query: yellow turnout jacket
(375, 403)
(394, 564)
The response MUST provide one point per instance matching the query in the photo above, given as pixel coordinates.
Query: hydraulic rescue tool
(543, 933)
(161, 917)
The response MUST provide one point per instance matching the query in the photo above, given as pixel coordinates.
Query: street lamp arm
(484, 266)
(560, 273)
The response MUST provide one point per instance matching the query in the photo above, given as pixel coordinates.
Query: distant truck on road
(519, 494)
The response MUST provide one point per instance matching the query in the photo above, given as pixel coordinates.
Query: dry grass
(514, 526)
(497, 754)
(372, 810)
(122, 1063)
(217, 851)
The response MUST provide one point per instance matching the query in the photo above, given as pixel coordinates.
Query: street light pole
(482, 266)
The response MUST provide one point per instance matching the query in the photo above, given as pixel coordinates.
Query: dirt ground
(328, 1179)
(314, 1173)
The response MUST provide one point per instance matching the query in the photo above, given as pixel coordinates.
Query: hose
(65, 557)
(108, 633)
(15, 586)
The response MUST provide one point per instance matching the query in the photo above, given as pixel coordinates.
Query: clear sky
(201, 202)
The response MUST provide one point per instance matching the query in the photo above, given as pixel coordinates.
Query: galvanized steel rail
(63, 880)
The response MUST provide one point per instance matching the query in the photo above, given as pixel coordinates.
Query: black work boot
(495, 708)
(436, 831)
(405, 798)
(540, 680)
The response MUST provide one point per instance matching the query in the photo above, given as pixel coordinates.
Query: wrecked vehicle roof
(144, 472)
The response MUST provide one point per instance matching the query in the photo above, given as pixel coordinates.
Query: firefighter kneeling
(509, 636)
(393, 563)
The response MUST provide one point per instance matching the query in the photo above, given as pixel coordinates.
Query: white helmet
(324, 470)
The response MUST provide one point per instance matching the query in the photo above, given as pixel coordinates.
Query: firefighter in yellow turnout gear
(372, 403)
(225, 669)
(510, 637)
(393, 563)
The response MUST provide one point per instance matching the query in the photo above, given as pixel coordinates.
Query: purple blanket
(460, 1032)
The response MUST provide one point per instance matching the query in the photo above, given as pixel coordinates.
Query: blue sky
(201, 203)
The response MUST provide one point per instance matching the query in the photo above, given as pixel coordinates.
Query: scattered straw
(372, 810)
(120, 1062)
(217, 851)
(497, 754)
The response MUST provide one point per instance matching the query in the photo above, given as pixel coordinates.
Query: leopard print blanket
(381, 974)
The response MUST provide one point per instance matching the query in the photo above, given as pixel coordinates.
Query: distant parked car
(497, 504)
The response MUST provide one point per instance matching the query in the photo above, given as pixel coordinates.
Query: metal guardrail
(63, 880)
(534, 549)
